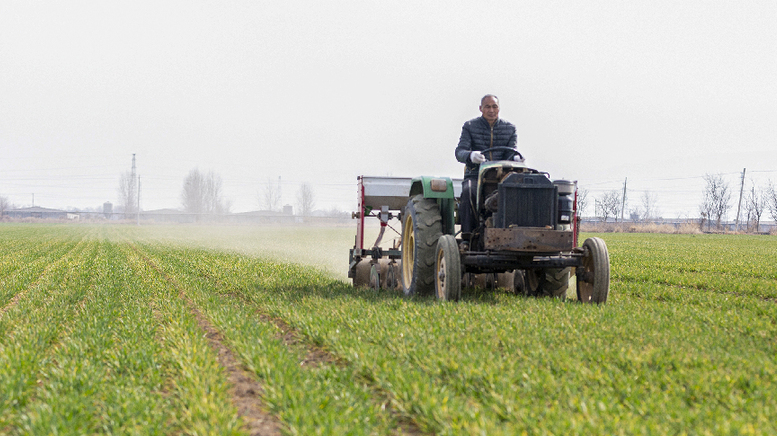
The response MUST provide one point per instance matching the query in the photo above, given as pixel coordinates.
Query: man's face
(490, 109)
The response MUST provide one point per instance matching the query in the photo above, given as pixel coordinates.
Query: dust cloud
(321, 246)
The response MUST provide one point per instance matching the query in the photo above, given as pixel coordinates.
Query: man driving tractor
(478, 134)
(516, 222)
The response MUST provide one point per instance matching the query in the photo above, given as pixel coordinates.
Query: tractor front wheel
(447, 282)
(593, 276)
(421, 228)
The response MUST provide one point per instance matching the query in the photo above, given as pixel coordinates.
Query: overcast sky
(659, 92)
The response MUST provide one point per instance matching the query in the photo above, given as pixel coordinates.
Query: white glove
(518, 158)
(477, 157)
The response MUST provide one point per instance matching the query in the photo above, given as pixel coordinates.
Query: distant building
(37, 212)
(167, 216)
(108, 209)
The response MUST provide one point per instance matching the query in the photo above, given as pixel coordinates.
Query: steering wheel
(511, 152)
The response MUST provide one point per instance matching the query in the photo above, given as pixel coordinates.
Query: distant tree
(771, 200)
(609, 205)
(270, 199)
(715, 203)
(202, 193)
(705, 212)
(582, 201)
(704, 218)
(4, 205)
(335, 212)
(305, 200)
(648, 211)
(128, 193)
(755, 203)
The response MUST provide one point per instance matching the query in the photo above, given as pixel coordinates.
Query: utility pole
(133, 186)
(138, 200)
(739, 204)
(623, 200)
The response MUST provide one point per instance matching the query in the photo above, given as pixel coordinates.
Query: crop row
(26, 254)
(101, 344)
(503, 365)
(105, 332)
(745, 265)
(310, 396)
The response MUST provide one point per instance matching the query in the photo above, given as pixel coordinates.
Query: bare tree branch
(202, 193)
(128, 193)
(582, 201)
(649, 211)
(609, 205)
(305, 199)
(715, 203)
(771, 200)
(271, 197)
(755, 203)
(4, 205)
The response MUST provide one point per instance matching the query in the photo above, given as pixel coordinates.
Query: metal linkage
(486, 261)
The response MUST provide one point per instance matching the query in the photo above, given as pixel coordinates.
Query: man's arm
(513, 141)
(465, 145)
(509, 131)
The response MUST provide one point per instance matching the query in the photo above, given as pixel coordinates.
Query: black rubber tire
(593, 282)
(492, 281)
(519, 282)
(547, 282)
(447, 281)
(556, 282)
(421, 228)
(533, 283)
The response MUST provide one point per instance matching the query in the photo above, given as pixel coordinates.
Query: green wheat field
(130, 330)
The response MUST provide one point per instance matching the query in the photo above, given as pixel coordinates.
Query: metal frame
(384, 198)
(489, 261)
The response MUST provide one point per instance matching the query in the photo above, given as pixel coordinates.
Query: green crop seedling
(111, 329)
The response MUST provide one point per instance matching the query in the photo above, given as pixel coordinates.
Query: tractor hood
(499, 167)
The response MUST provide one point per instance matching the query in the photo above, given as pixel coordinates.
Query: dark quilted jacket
(478, 135)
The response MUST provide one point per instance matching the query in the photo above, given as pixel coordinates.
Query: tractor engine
(526, 200)
(530, 200)
(521, 205)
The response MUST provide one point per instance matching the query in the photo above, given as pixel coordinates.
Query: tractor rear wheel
(447, 281)
(593, 277)
(421, 228)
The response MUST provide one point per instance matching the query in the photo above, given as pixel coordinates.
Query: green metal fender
(440, 188)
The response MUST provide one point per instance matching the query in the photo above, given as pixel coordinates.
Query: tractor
(526, 235)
